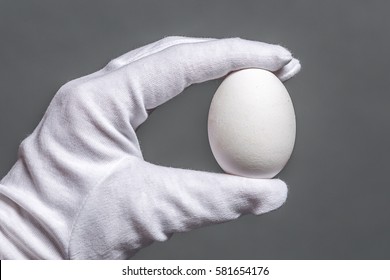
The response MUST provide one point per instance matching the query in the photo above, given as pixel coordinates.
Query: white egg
(251, 124)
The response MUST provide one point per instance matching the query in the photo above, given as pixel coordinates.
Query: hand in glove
(80, 188)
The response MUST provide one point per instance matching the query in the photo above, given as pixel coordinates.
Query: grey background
(338, 205)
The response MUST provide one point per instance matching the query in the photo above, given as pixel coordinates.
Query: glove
(80, 188)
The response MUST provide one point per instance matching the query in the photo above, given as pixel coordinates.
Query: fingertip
(284, 54)
(289, 70)
(271, 56)
(274, 197)
(281, 191)
(279, 56)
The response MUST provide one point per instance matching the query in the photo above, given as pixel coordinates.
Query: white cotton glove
(80, 188)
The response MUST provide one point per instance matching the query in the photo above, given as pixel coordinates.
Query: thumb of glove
(141, 203)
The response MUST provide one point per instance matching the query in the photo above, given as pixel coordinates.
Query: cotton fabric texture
(80, 188)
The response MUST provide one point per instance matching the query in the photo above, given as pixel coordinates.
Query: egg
(251, 124)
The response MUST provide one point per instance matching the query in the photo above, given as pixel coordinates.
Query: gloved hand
(80, 188)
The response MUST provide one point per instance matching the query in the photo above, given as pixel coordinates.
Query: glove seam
(85, 202)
